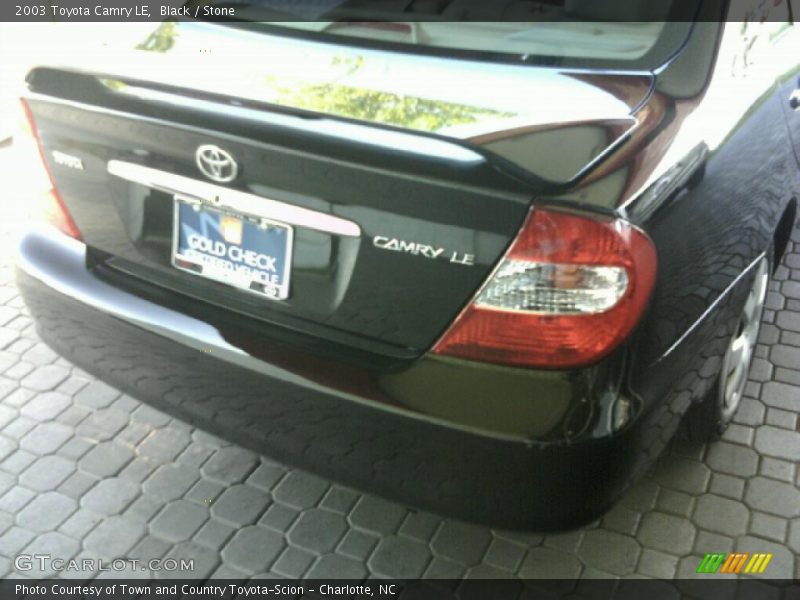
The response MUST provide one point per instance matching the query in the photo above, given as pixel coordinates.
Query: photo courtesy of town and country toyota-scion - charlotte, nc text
(200, 590)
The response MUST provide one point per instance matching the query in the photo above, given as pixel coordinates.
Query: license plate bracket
(247, 252)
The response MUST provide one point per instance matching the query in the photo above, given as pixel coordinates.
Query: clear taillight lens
(570, 289)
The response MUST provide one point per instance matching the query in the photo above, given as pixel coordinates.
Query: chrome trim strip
(243, 202)
(712, 307)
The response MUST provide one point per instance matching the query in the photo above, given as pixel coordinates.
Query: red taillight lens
(568, 291)
(53, 208)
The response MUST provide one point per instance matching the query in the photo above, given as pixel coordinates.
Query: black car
(482, 267)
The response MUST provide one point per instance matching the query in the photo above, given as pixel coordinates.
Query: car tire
(708, 419)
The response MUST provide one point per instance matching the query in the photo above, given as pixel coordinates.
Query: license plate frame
(206, 269)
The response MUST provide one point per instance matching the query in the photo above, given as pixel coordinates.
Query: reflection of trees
(382, 107)
(161, 40)
(373, 105)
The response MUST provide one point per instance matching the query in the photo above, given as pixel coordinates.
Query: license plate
(246, 252)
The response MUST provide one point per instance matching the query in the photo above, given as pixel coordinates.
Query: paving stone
(420, 526)
(737, 434)
(776, 469)
(794, 536)
(728, 486)
(20, 369)
(751, 412)
(80, 523)
(102, 425)
(230, 465)
(38, 354)
(110, 496)
(378, 515)
(163, 445)
(132, 434)
(205, 492)
(46, 438)
(97, 395)
(75, 448)
(782, 418)
(336, 566)
(72, 385)
(657, 564)
(787, 376)
(46, 473)
(784, 356)
(666, 532)
(293, 562)
(609, 551)
(214, 534)
(721, 515)
(778, 443)
(675, 503)
(138, 469)
(504, 554)
(240, 505)
(205, 561)
(52, 544)
(7, 414)
(114, 536)
(781, 395)
(683, 475)
(773, 497)
(77, 484)
(170, 481)
(443, 568)
(266, 475)
(253, 549)
(179, 521)
(357, 544)
(545, 563)
(47, 406)
(73, 415)
(18, 398)
(145, 507)
(300, 489)
(768, 526)
(46, 512)
(45, 378)
(149, 548)
(106, 459)
(14, 540)
(15, 498)
(317, 530)
(732, 459)
(339, 499)
(279, 517)
(400, 558)
(150, 416)
(461, 542)
(568, 542)
(19, 427)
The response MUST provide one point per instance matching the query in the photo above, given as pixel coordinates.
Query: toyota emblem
(215, 163)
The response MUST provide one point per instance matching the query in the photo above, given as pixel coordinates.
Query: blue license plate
(244, 251)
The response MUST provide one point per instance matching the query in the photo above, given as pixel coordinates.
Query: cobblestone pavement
(86, 471)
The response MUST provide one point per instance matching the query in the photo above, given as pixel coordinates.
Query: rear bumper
(211, 369)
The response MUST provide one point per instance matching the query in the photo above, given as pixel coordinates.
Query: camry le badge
(425, 250)
(216, 163)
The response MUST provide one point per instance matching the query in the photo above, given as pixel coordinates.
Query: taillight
(54, 210)
(568, 291)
